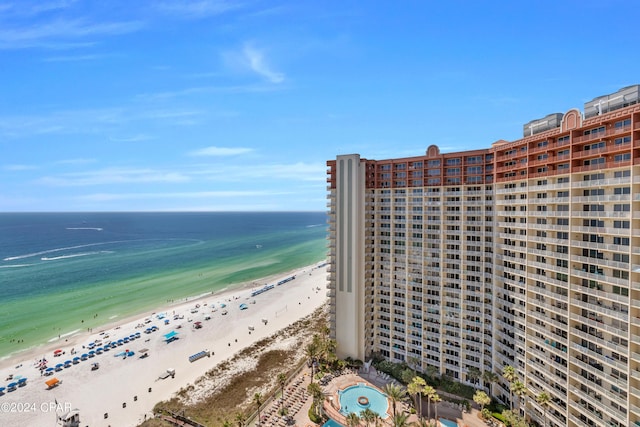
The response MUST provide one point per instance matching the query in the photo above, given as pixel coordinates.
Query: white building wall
(349, 286)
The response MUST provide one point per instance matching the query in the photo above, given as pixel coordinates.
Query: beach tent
(12, 386)
(243, 306)
(22, 382)
(2, 389)
(171, 336)
(57, 352)
(52, 382)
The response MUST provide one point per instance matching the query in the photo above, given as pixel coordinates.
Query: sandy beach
(123, 391)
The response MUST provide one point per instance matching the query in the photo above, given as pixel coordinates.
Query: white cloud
(197, 9)
(50, 34)
(78, 161)
(258, 64)
(17, 168)
(74, 58)
(113, 176)
(220, 151)
(133, 138)
(103, 197)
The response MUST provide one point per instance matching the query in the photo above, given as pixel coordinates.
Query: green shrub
(498, 416)
(313, 417)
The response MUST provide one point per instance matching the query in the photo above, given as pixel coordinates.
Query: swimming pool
(332, 423)
(359, 397)
(448, 423)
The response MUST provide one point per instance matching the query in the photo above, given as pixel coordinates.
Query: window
(591, 162)
(622, 141)
(621, 174)
(622, 124)
(623, 241)
(622, 157)
(621, 207)
(622, 190)
(595, 131)
(593, 177)
(595, 146)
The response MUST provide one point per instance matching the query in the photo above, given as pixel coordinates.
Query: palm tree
(376, 419)
(395, 393)
(431, 372)
(415, 388)
(429, 392)
(257, 399)
(353, 420)
(420, 423)
(436, 399)
(400, 420)
(413, 362)
(519, 389)
(509, 374)
(311, 351)
(473, 374)
(282, 380)
(316, 393)
(368, 416)
(489, 378)
(481, 398)
(241, 418)
(543, 400)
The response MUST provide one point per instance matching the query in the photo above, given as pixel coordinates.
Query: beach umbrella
(49, 369)
(12, 385)
(59, 365)
(58, 351)
(2, 389)
(22, 381)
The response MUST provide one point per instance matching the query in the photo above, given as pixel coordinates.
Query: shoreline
(118, 389)
(73, 337)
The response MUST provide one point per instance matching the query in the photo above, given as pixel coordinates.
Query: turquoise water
(448, 423)
(64, 272)
(359, 397)
(332, 423)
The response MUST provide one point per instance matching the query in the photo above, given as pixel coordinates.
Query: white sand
(127, 381)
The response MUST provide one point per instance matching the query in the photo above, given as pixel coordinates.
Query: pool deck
(297, 398)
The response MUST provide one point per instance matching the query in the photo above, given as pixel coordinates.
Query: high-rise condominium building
(524, 254)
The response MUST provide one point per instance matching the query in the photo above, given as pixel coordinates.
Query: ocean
(65, 272)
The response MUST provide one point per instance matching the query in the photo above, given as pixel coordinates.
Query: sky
(224, 105)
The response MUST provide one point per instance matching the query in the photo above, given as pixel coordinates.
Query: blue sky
(213, 105)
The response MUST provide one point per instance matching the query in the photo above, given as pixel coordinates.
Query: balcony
(601, 135)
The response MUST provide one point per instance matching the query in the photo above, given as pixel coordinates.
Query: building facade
(526, 253)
